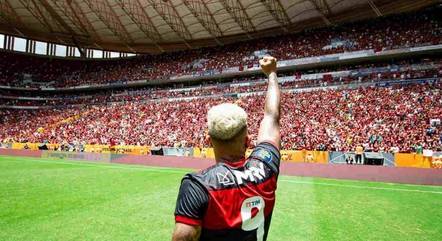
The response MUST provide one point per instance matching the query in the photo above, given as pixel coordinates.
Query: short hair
(225, 121)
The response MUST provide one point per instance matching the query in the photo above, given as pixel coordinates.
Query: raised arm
(269, 129)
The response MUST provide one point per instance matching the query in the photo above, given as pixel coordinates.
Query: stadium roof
(151, 26)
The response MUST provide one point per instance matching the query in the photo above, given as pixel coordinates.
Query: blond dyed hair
(225, 121)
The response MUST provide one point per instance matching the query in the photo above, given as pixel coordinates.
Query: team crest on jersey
(225, 179)
(264, 155)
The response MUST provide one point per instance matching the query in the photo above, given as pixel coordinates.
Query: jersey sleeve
(191, 203)
(267, 153)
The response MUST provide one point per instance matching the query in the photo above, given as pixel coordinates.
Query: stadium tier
(395, 118)
(383, 104)
(422, 28)
(344, 75)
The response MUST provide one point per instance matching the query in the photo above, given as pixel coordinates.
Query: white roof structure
(152, 26)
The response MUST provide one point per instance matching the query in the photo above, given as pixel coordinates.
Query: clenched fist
(268, 64)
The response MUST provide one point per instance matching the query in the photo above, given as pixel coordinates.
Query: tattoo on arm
(270, 129)
(272, 106)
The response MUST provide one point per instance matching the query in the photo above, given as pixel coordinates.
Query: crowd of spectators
(381, 119)
(392, 119)
(404, 70)
(404, 30)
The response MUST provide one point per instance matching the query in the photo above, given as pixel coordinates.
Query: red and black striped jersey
(232, 201)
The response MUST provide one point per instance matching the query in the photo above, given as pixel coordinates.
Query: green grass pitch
(70, 200)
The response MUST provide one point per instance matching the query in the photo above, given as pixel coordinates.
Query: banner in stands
(367, 158)
(97, 148)
(25, 146)
(5, 145)
(134, 150)
(328, 58)
(203, 153)
(120, 149)
(289, 156)
(429, 47)
(412, 160)
(356, 54)
(436, 160)
(428, 158)
(96, 157)
(167, 151)
(309, 60)
(304, 156)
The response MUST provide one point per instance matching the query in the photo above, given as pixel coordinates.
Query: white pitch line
(360, 187)
(170, 170)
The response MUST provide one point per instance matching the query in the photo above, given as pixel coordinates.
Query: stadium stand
(383, 119)
(373, 72)
(106, 109)
(385, 106)
(405, 30)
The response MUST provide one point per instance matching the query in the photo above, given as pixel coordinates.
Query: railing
(292, 64)
(427, 159)
(335, 86)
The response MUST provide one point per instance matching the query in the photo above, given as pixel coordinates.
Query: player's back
(232, 202)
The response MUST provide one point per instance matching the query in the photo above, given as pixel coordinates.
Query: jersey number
(253, 205)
